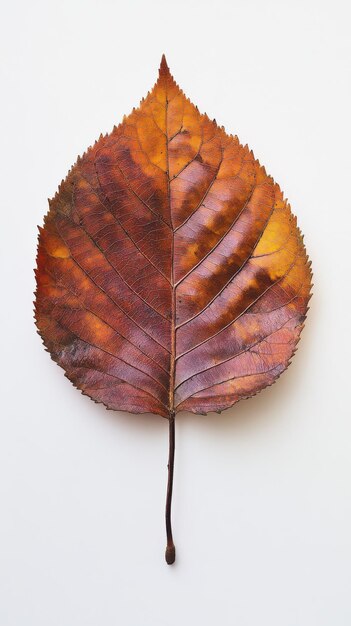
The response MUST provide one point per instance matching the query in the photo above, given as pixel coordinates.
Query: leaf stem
(170, 549)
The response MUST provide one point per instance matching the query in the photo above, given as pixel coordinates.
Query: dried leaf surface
(171, 273)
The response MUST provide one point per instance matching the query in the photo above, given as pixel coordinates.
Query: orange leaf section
(171, 273)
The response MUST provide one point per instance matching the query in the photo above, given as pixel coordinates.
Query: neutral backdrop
(262, 512)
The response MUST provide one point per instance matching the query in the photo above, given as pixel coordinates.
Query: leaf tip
(164, 69)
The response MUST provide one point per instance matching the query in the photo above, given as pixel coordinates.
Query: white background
(262, 514)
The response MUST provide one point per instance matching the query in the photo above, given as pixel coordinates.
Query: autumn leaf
(171, 273)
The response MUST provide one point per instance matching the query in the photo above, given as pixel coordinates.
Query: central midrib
(173, 298)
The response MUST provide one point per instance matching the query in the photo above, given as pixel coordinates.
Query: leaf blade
(171, 272)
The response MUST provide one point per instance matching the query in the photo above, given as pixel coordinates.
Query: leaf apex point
(164, 69)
